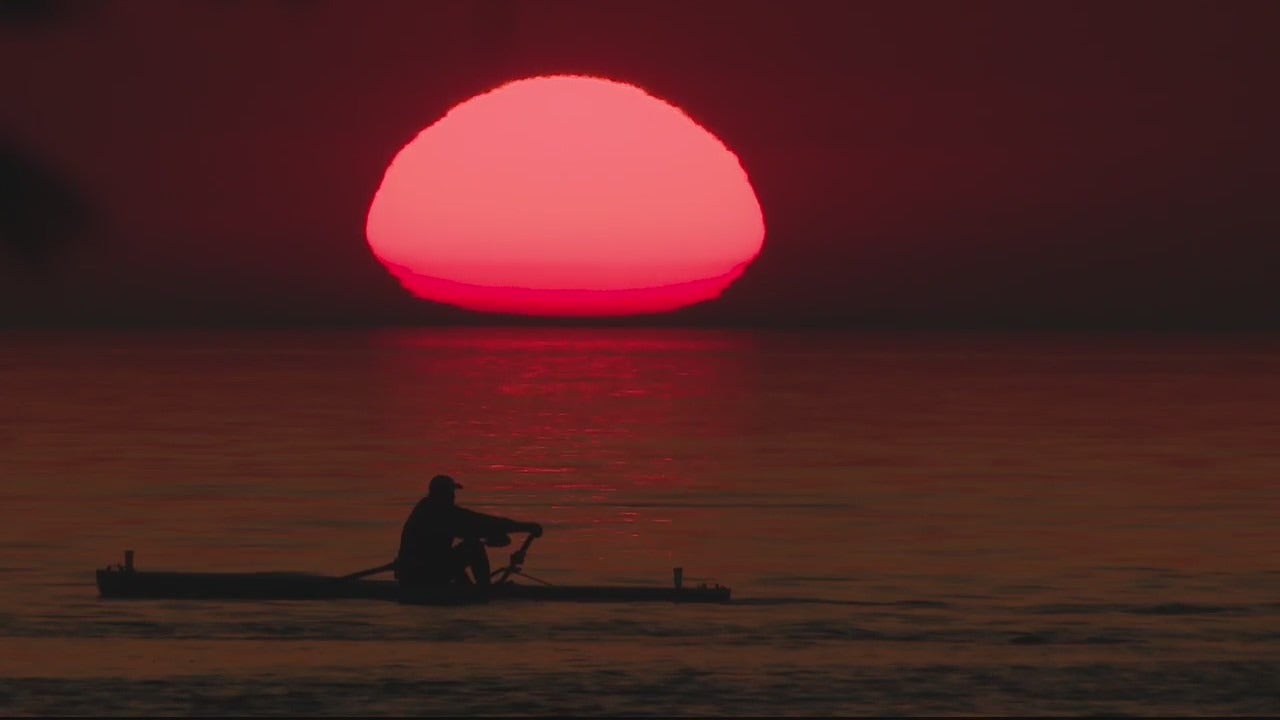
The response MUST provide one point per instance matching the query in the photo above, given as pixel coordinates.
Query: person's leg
(472, 555)
(459, 561)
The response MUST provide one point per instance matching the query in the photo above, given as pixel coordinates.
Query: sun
(568, 196)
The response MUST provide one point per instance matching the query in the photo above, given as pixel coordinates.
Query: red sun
(566, 196)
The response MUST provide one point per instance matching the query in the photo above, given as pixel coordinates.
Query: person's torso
(427, 536)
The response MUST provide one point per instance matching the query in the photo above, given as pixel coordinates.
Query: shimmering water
(910, 524)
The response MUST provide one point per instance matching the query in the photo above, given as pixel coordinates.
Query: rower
(428, 555)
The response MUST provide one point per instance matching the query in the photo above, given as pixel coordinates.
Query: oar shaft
(371, 571)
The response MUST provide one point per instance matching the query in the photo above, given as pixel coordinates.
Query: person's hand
(535, 529)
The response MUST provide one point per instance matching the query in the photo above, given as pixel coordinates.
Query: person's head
(442, 488)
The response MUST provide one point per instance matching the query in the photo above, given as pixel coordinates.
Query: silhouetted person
(428, 555)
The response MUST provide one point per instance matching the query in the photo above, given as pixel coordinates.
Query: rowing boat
(127, 582)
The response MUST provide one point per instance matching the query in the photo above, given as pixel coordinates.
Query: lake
(911, 523)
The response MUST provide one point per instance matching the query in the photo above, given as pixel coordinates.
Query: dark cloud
(41, 212)
(36, 14)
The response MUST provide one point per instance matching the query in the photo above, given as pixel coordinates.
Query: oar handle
(517, 558)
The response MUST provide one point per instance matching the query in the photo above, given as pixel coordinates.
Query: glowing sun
(565, 195)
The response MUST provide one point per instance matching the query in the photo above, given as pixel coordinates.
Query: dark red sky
(1035, 164)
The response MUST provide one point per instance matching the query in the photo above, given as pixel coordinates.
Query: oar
(371, 571)
(517, 560)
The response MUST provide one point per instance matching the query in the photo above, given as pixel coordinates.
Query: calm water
(910, 524)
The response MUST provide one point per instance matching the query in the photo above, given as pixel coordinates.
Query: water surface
(911, 524)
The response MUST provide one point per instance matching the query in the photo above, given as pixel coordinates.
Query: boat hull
(124, 583)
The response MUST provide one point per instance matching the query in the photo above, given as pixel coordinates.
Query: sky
(919, 164)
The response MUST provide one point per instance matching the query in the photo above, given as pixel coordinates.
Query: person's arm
(474, 524)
